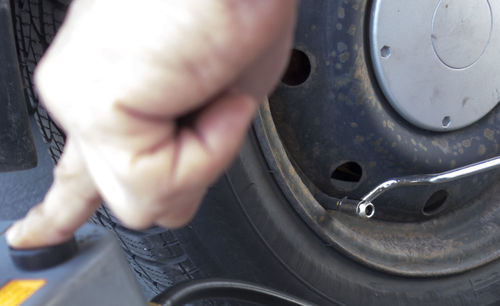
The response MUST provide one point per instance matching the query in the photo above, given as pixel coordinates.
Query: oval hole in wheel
(346, 176)
(298, 70)
(435, 202)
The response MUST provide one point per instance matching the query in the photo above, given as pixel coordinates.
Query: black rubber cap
(43, 258)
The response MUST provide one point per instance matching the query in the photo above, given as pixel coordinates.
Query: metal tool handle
(366, 209)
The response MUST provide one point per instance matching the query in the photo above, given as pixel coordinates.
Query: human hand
(155, 97)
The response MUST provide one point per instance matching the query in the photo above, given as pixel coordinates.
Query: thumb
(69, 203)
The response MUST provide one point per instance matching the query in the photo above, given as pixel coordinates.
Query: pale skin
(155, 97)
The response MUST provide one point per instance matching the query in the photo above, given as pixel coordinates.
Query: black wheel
(331, 130)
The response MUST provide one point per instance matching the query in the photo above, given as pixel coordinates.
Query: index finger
(69, 203)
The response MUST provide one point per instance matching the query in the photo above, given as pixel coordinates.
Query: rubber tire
(247, 230)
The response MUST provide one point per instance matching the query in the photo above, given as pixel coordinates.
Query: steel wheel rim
(443, 242)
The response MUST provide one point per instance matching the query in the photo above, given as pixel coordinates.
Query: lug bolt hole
(385, 52)
(298, 70)
(435, 203)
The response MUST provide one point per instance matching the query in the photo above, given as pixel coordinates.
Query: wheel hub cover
(437, 61)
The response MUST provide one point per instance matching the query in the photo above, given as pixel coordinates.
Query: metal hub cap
(437, 61)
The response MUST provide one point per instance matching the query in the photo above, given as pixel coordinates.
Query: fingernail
(12, 234)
